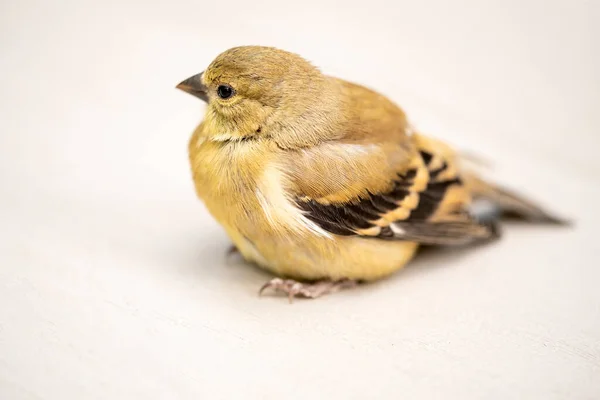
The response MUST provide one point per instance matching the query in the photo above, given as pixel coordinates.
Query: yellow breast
(245, 188)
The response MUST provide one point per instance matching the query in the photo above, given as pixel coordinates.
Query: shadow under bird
(324, 182)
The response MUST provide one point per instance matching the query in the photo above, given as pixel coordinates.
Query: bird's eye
(225, 91)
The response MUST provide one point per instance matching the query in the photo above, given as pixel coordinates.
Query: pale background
(113, 280)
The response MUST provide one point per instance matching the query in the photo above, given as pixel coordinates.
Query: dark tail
(491, 202)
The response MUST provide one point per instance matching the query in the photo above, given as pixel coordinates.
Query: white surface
(113, 282)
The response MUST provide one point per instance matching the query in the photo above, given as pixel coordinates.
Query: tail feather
(490, 202)
(508, 204)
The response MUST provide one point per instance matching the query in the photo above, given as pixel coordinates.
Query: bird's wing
(410, 191)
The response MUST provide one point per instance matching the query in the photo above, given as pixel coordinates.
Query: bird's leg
(310, 290)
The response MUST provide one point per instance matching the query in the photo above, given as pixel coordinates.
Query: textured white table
(113, 281)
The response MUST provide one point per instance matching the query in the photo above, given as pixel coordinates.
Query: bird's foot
(232, 250)
(310, 290)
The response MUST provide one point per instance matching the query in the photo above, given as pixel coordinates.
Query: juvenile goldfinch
(323, 182)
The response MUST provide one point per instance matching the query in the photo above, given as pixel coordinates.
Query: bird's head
(262, 92)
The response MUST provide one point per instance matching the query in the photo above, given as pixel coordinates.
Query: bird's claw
(232, 250)
(308, 290)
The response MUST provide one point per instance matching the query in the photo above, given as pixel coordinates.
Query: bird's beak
(194, 86)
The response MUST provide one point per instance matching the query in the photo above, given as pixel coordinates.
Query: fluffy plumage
(315, 178)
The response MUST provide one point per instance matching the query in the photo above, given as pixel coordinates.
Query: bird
(326, 183)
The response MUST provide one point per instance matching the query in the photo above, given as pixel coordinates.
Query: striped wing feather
(403, 212)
